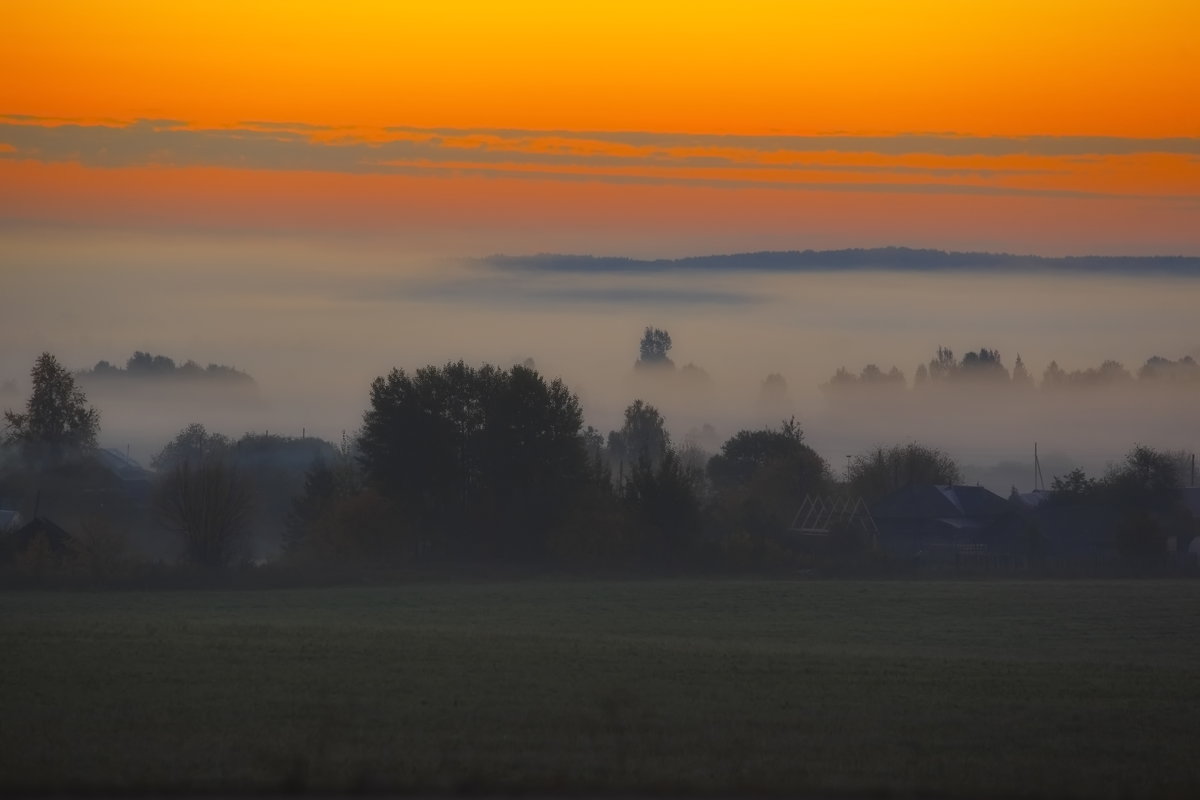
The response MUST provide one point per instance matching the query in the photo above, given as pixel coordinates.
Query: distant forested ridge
(879, 258)
(147, 366)
(986, 368)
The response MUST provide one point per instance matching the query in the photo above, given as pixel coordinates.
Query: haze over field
(314, 338)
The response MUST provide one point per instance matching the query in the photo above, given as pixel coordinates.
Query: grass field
(696, 687)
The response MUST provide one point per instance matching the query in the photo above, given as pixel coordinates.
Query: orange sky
(458, 73)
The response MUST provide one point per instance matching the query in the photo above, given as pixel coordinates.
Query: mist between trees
(459, 465)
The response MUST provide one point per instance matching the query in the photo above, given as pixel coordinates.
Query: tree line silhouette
(148, 366)
(985, 367)
(461, 464)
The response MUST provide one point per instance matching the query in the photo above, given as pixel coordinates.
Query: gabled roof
(1032, 499)
(121, 465)
(57, 538)
(924, 502)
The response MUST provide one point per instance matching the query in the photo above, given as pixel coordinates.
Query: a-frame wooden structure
(820, 515)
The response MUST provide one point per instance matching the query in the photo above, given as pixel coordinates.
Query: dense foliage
(143, 365)
(487, 460)
(460, 464)
(58, 424)
(885, 469)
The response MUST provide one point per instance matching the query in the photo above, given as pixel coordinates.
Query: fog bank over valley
(311, 324)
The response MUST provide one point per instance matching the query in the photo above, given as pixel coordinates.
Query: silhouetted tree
(1020, 375)
(58, 424)
(593, 445)
(883, 470)
(654, 347)
(943, 366)
(487, 455)
(193, 444)
(147, 364)
(983, 365)
(665, 509)
(272, 467)
(1054, 377)
(841, 379)
(1145, 490)
(209, 505)
(643, 437)
(1109, 373)
(749, 453)
(1147, 477)
(1156, 368)
(1073, 488)
(761, 477)
(871, 376)
(142, 365)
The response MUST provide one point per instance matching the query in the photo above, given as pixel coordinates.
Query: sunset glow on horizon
(790, 124)
(311, 191)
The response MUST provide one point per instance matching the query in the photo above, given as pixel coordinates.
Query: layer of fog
(315, 323)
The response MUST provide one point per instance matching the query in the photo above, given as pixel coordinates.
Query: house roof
(927, 501)
(1033, 499)
(56, 537)
(121, 465)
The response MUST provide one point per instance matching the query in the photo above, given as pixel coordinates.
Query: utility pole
(1039, 483)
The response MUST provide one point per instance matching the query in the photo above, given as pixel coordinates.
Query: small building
(132, 479)
(40, 534)
(950, 525)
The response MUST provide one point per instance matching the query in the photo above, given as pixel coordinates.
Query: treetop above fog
(652, 351)
(986, 367)
(143, 365)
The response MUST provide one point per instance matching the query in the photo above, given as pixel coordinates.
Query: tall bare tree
(209, 505)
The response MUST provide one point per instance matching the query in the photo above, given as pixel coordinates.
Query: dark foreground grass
(966, 689)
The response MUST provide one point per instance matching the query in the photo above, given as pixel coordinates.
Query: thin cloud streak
(716, 161)
(947, 144)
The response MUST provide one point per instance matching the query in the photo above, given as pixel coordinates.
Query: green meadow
(699, 687)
